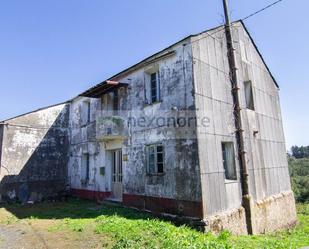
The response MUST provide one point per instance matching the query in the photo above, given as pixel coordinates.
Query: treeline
(300, 152)
(299, 171)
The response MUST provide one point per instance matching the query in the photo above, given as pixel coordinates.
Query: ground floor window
(155, 159)
(85, 167)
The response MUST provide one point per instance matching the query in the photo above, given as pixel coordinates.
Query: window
(155, 159)
(244, 52)
(249, 95)
(229, 161)
(85, 167)
(115, 102)
(154, 87)
(86, 112)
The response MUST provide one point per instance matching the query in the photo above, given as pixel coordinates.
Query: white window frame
(157, 87)
(229, 164)
(149, 71)
(154, 148)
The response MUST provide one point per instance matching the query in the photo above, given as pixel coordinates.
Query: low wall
(268, 215)
(274, 213)
(233, 220)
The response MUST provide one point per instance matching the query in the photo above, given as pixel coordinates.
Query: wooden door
(117, 175)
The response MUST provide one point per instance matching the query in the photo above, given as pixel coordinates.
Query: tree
(300, 152)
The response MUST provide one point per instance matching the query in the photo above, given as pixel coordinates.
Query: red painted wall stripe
(90, 194)
(164, 205)
(153, 204)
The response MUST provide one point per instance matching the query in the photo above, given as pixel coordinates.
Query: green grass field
(117, 227)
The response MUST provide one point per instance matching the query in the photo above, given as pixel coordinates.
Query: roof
(158, 55)
(37, 110)
(105, 87)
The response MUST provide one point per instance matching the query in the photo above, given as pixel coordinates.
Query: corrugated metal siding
(214, 101)
(268, 167)
(266, 153)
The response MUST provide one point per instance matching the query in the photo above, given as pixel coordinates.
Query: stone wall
(35, 154)
(233, 220)
(274, 213)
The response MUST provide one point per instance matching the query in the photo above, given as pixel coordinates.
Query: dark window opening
(88, 112)
(249, 95)
(154, 87)
(116, 102)
(85, 167)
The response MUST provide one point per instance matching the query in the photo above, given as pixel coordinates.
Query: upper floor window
(86, 113)
(249, 95)
(110, 102)
(154, 87)
(115, 102)
(152, 83)
(155, 159)
(228, 157)
(244, 52)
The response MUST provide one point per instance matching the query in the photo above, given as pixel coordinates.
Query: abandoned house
(161, 136)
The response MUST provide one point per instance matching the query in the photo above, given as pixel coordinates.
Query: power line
(243, 19)
(261, 10)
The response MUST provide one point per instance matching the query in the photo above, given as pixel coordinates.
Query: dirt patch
(35, 233)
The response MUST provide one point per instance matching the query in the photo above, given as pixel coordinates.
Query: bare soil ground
(32, 233)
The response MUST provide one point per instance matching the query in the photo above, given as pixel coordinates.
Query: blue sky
(52, 50)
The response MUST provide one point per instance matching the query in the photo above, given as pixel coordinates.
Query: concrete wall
(264, 141)
(176, 191)
(83, 140)
(264, 137)
(267, 159)
(34, 154)
(214, 100)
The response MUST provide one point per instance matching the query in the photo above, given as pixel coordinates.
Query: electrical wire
(261, 10)
(242, 19)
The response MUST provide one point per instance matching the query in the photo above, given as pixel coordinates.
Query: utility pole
(246, 199)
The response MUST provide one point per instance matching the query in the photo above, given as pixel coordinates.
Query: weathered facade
(34, 154)
(160, 136)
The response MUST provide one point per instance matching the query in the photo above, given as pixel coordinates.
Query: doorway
(117, 175)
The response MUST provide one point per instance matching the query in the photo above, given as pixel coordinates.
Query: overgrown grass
(126, 228)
